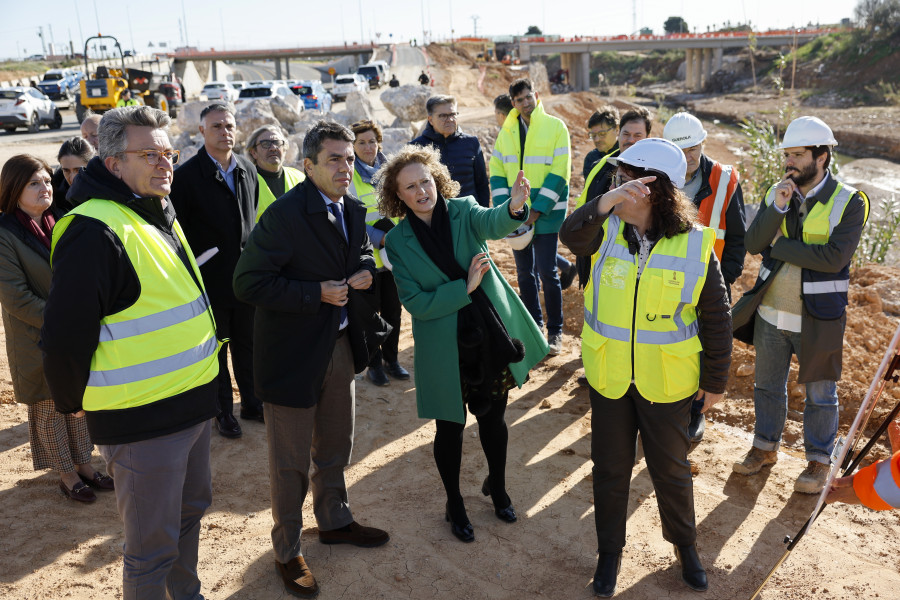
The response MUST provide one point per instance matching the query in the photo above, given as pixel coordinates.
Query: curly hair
(671, 212)
(389, 202)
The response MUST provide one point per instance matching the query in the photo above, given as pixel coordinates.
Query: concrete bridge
(703, 51)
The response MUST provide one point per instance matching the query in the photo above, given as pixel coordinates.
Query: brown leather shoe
(297, 578)
(79, 492)
(356, 534)
(99, 481)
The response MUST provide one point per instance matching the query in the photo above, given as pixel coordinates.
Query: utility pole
(130, 30)
(181, 32)
(97, 16)
(422, 8)
(222, 25)
(41, 35)
(475, 25)
(362, 36)
(78, 16)
(634, 26)
(187, 40)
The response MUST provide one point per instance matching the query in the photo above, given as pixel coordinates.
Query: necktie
(336, 210)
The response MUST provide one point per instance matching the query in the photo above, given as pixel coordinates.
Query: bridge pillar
(277, 68)
(698, 69)
(215, 70)
(287, 68)
(717, 60)
(705, 67)
(584, 72)
(689, 68)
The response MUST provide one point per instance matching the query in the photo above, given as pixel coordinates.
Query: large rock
(286, 110)
(394, 139)
(407, 101)
(189, 115)
(358, 108)
(252, 115)
(188, 145)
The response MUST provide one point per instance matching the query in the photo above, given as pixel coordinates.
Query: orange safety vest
(878, 486)
(723, 181)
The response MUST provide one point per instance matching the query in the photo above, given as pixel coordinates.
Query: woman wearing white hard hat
(474, 339)
(655, 309)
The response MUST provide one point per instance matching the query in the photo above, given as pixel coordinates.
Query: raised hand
(630, 191)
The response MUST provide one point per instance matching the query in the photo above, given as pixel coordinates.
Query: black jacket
(295, 246)
(462, 154)
(93, 278)
(212, 217)
(593, 156)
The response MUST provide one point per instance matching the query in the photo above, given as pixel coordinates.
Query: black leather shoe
(356, 535)
(396, 371)
(696, 427)
(99, 481)
(507, 514)
(253, 414)
(376, 375)
(692, 572)
(608, 566)
(463, 531)
(80, 492)
(566, 279)
(228, 426)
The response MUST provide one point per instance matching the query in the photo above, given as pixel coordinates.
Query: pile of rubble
(406, 103)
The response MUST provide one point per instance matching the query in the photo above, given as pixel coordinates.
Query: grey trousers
(163, 487)
(322, 433)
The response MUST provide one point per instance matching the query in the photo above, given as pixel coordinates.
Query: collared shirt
(328, 201)
(228, 173)
(692, 186)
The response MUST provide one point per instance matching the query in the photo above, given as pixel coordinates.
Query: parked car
(373, 73)
(27, 107)
(238, 85)
(220, 90)
(344, 85)
(60, 84)
(262, 92)
(314, 95)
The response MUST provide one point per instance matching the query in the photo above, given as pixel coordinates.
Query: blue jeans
(820, 414)
(539, 259)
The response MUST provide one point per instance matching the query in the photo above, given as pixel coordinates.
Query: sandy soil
(56, 549)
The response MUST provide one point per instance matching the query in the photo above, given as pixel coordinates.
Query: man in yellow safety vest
(266, 147)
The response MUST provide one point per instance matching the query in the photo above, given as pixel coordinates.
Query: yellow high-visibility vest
(292, 177)
(658, 328)
(365, 192)
(165, 343)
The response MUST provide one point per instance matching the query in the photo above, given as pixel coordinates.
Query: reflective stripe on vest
(292, 178)
(165, 343)
(590, 179)
(886, 483)
(663, 315)
(723, 181)
(366, 194)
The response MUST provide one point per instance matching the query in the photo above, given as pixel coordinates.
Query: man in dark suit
(306, 268)
(215, 195)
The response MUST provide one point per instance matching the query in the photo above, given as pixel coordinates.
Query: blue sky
(281, 23)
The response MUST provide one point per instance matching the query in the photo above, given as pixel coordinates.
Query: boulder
(394, 139)
(293, 152)
(407, 101)
(285, 110)
(189, 115)
(358, 108)
(188, 145)
(251, 115)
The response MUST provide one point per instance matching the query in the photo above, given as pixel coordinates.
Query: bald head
(89, 128)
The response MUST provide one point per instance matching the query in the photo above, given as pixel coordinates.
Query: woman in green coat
(474, 339)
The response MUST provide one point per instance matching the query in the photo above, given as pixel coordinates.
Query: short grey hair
(435, 101)
(321, 131)
(114, 125)
(254, 137)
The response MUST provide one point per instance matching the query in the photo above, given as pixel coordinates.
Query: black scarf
(485, 348)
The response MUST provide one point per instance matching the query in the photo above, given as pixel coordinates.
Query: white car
(263, 92)
(344, 85)
(27, 107)
(220, 90)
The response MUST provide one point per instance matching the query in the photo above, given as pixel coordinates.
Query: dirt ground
(55, 549)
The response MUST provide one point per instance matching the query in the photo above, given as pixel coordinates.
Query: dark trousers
(663, 428)
(535, 268)
(390, 308)
(236, 324)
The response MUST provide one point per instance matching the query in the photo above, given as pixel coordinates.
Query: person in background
(460, 152)
(125, 99)
(89, 128)
(394, 82)
(57, 441)
(73, 157)
(657, 334)
(474, 339)
(603, 130)
(369, 159)
(424, 79)
(266, 147)
(502, 107)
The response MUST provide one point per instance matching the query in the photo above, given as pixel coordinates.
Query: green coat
(433, 301)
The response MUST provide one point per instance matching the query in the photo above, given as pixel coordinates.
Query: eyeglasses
(153, 156)
(621, 178)
(269, 144)
(448, 116)
(596, 135)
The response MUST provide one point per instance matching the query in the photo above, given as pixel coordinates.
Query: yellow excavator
(101, 89)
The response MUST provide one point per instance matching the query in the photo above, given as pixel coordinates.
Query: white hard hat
(685, 130)
(521, 237)
(808, 131)
(655, 154)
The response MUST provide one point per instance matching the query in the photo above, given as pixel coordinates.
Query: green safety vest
(165, 343)
(658, 328)
(129, 102)
(366, 194)
(292, 177)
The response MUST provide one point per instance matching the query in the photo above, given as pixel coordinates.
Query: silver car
(27, 107)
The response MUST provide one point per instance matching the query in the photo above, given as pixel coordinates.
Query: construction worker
(876, 486)
(716, 192)
(129, 339)
(657, 334)
(603, 130)
(537, 143)
(394, 82)
(266, 147)
(424, 79)
(125, 99)
(807, 229)
(368, 160)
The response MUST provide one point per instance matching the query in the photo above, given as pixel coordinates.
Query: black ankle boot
(608, 566)
(460, 525)
(692, 572)
(507, 514)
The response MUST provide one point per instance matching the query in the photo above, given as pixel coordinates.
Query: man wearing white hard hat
(807, 229)
(716, 192)
(656, 310)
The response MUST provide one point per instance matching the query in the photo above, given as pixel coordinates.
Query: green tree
(879, 16)
(534, 30)
(676, 25)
